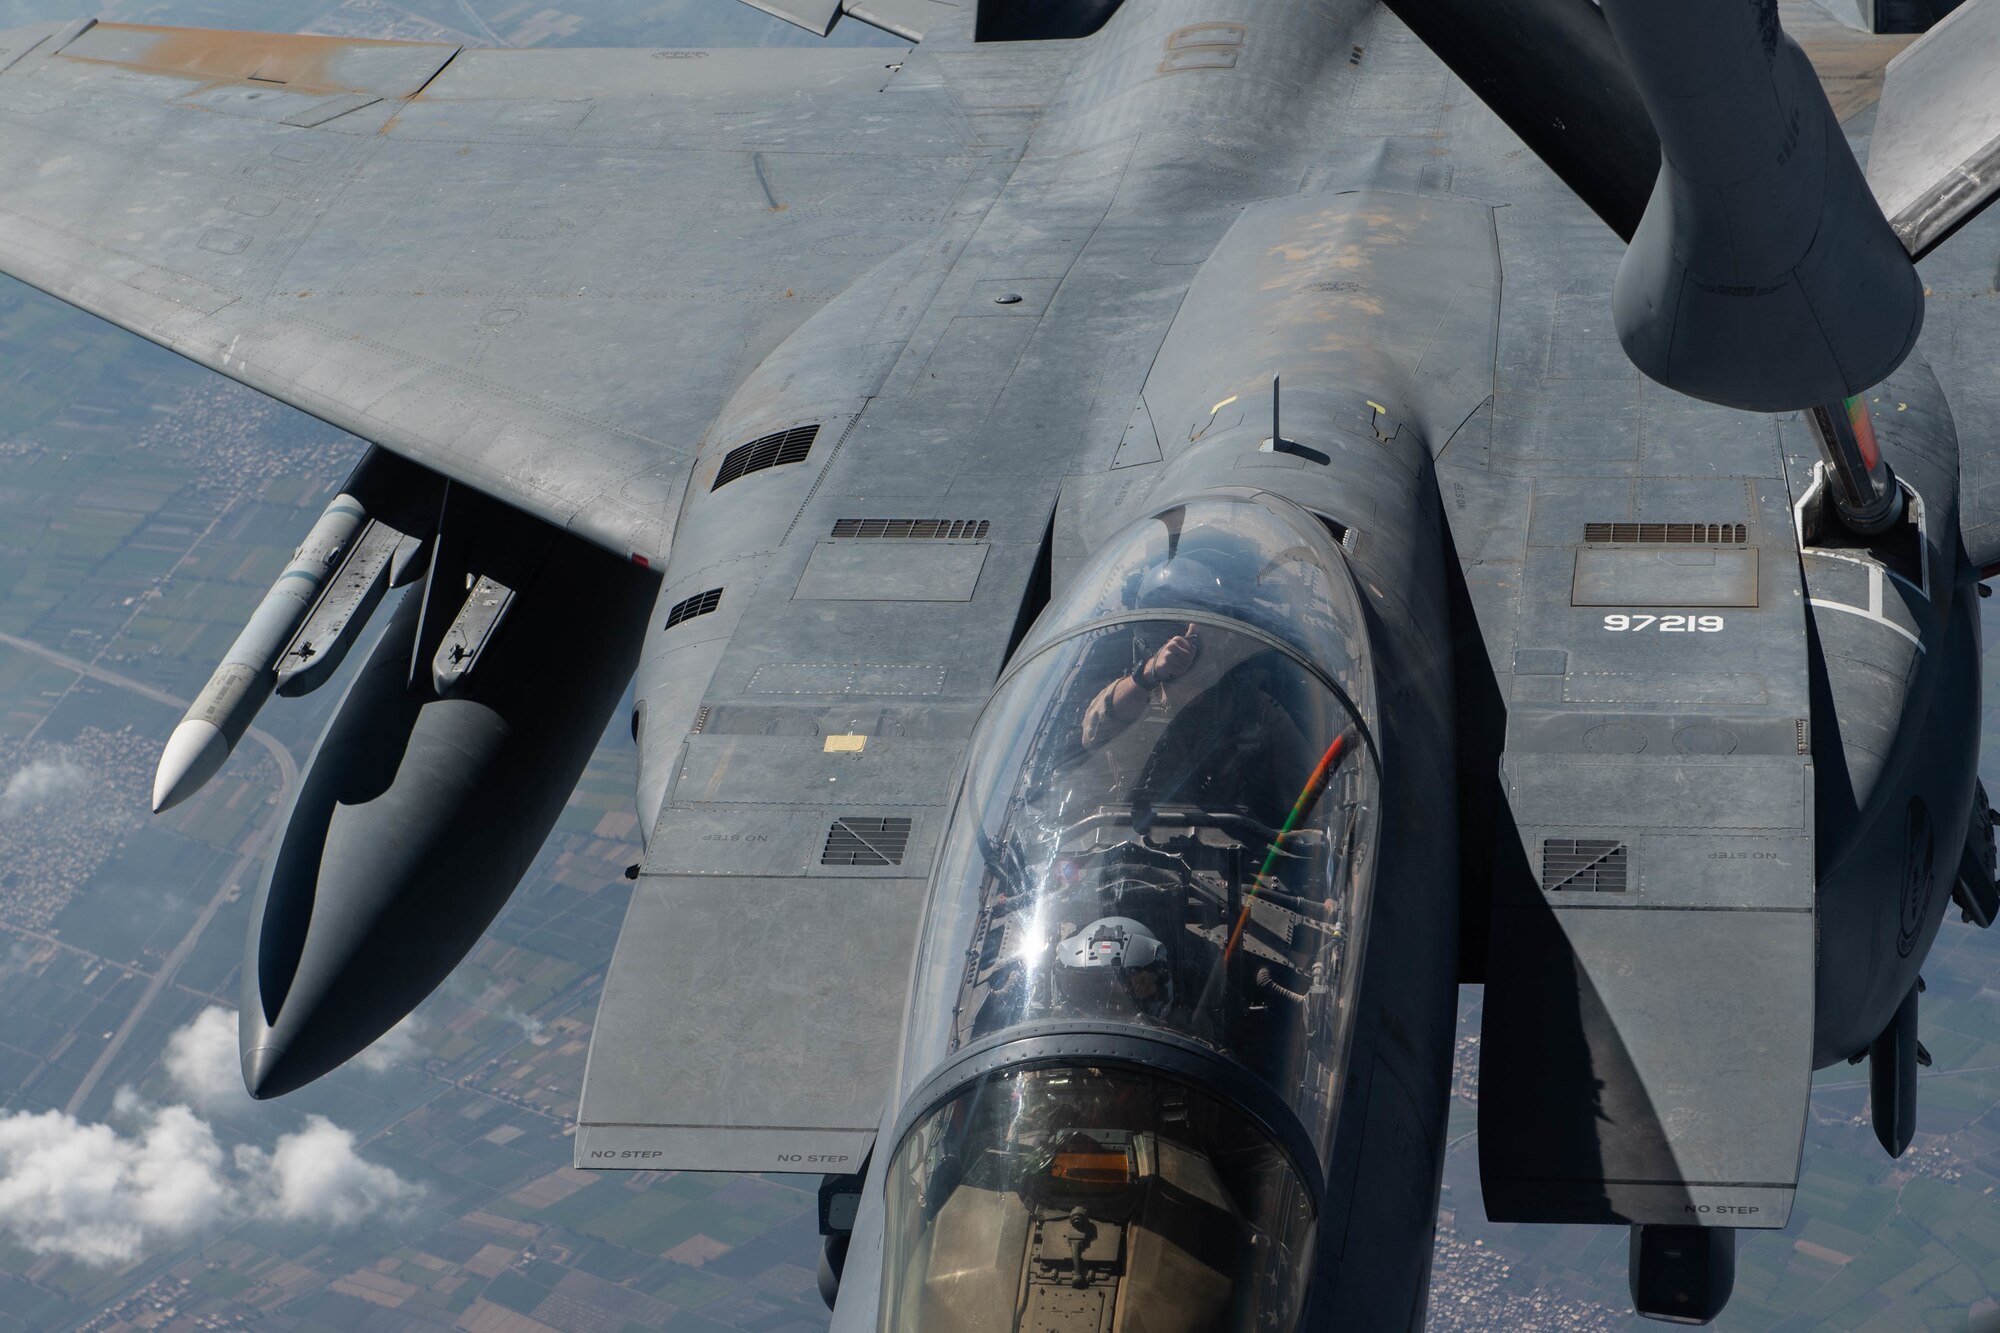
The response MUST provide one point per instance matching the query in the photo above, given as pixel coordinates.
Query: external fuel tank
(418, 814)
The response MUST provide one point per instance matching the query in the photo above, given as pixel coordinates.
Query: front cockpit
(1169, 849)
(1151, 886)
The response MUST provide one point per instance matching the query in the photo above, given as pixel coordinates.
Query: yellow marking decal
(845, 744)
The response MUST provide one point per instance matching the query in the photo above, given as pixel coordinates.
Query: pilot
(1122, 702)
(1207, 571)
(1112, 966)
(1242, 731)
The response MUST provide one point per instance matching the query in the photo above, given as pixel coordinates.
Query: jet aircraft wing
(413, 241)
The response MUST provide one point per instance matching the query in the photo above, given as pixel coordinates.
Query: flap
(908, 19)
(815, 16)
(749, 1024)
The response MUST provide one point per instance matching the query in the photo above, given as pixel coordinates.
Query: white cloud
(531, 1027)
(399, 1045)
(19, 955)
(41, 782)
(315, 1176)
(204, 1067)
(202, 1063)
(90, 1193)
(103, 1195)
(493, 1000)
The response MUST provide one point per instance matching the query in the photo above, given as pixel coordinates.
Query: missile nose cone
(193, 755)
(261, 1072)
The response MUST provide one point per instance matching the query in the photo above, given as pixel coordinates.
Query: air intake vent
(899, 529)
(1583, 865)
(1668, 534)
(774, 450)
(863, 840)
(698, 605)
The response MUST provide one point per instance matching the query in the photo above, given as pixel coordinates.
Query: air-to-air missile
(307, 621)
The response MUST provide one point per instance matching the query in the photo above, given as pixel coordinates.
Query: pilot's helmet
(1111, 941)
(1210, 569)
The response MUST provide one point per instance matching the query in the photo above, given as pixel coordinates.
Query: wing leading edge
(539, 273)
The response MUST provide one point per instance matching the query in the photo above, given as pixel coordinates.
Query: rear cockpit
(1088, 1200)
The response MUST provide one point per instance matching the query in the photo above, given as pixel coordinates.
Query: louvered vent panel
(864, 840)
(1337, 530)
(698, 605)
(899, 529)
(1584, 865)
(774, 450)
(1668, 534)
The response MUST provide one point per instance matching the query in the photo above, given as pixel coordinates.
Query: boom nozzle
(1763, 275)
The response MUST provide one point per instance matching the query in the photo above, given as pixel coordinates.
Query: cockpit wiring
(1314, 789)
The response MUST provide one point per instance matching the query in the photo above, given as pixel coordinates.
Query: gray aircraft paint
(1027, 292)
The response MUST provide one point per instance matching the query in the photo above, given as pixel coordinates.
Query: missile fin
(1892, 1079)
(475, 626)
(412, 558)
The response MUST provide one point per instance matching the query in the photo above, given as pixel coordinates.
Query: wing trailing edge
(908, 19)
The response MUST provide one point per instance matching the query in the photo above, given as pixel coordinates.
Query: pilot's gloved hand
(1176, 655)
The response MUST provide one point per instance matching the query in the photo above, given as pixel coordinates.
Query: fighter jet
(1144, 557)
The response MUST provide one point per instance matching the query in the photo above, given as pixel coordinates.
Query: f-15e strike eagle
(1147, 562)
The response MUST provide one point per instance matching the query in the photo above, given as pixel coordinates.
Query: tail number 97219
(1622, 623)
